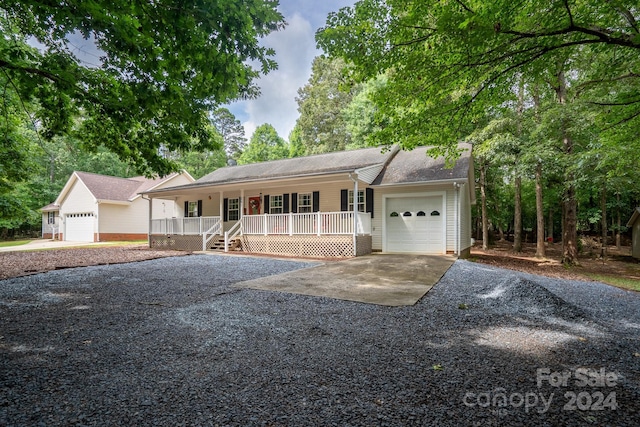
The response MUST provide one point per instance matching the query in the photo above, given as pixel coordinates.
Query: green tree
(231, 130)
(296, 146)
(360, 115)
(163, 65)
(451, 62)
(321, 103)
(265, 145)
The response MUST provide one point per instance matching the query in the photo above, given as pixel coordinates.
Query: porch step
(218, 245)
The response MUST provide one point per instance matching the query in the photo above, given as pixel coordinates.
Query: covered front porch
(312, 234)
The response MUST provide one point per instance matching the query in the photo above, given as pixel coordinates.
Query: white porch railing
(186, 226)
(319, 223)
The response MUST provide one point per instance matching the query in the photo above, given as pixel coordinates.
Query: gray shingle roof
(50, 207)
(416, 166)
(105, 187)
(340, 161)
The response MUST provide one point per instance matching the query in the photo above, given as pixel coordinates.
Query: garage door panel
(79, 227)
(415, 225)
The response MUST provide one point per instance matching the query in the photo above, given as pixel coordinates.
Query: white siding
(78, 200)
(130, 218)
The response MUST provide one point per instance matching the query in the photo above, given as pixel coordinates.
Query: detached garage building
(94, 208)
(338, 204)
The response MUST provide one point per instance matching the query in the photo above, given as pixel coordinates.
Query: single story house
(98, 208)
(338, 204)
(634, 225)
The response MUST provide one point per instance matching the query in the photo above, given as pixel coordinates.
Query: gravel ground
(169, 342)
(23, 263)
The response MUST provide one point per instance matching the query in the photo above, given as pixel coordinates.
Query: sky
(295, 48)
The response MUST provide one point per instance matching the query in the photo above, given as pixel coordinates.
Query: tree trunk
(501, 233)
(52, 168)
(483, 197)
(517, 210)
(618, 223)
(541, 251)
(517, 216)
(570, 204)
(603, 207)
(479, 222)
(550, 225)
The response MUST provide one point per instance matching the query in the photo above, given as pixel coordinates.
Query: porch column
(150, 200)
(241, 207)
(354, 178)
(221, 213)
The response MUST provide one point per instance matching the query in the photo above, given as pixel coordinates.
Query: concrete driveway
(384, 279)
(50, 244)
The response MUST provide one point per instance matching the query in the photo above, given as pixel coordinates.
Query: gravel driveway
(168, 342)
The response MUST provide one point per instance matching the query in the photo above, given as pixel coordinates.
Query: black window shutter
(267, 208)
(186, 208)
(199, 207)
(225, 209)
(294, 202)
(316, 201)
(285, 203)
(344, 200)
(368, 199)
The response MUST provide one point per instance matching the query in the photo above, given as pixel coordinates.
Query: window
(192, 209)
(361, 204)
(305, 203)
(51, 218)
(233, 210)
(275, 204)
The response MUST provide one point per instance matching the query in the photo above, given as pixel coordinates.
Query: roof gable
(111, 188)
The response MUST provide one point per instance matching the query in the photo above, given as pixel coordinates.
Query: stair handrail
(231, 234)
(214, 230)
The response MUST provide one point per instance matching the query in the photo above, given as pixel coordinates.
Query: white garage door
(415, 225)
(79, 227)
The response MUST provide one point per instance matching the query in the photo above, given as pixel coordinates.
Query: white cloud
(295, 49)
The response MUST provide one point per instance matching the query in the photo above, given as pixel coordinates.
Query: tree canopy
(265, 145)
(163, 65)
(448, 61)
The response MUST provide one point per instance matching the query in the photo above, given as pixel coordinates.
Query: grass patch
(9, 243)
(619, 282)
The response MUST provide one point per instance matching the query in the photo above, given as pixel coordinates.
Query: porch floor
(383, 279)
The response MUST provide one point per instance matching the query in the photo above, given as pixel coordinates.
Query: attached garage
(415, 224)
(79, 227)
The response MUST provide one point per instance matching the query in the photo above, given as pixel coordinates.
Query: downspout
(355, 210)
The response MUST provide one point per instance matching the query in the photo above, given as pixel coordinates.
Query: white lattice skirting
(340, 246)
(333, 246)
(178, 243)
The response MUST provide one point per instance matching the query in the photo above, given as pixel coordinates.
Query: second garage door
(415, 225)
(79, 227)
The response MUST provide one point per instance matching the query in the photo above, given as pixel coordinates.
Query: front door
(254, 205)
